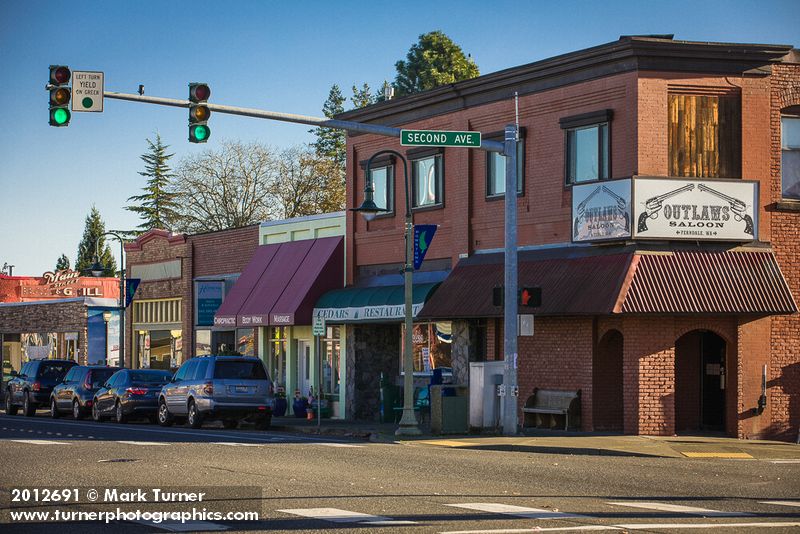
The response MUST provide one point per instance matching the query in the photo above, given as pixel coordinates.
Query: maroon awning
(594, 281)
(289, 277)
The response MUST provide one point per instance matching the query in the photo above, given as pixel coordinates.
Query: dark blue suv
(33, 385)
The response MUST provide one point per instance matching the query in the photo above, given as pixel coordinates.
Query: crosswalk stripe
(518, 511)
(237, 444)
(338, 445)
(692, 510)
(336, 515)
(782, 503)
(676, 526)
(534, 529)
(145, 443)
(38, 441)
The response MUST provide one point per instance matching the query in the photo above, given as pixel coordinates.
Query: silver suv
(227, 388)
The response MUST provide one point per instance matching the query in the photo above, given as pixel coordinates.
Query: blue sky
(280, 56)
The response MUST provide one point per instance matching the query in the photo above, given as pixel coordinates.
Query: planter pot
(279, 408)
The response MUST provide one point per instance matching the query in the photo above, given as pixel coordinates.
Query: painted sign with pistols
(695, 209)
(601, 211)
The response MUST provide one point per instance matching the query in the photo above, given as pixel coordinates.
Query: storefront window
(202, 342)
(277, 357)
(160, 349)
(431, 344)
(331, 354)
(246, 341)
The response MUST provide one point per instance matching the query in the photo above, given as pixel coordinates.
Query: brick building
(658, 198)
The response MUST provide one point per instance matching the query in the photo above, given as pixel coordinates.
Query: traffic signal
(530, 297)
(60, 93)
(199, 132)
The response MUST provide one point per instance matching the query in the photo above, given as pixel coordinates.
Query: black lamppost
(369, 210)
(97, 270)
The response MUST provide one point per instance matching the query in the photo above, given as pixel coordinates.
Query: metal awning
(620, 280)
(371, 304)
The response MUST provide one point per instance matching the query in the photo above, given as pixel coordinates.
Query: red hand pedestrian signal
(530, 297)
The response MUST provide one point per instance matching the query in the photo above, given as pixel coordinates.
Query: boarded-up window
(705, 136)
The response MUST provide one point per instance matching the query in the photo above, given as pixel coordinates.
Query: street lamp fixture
(97, 270)
(369, 210)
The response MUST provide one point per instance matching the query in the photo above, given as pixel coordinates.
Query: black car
(76, 392)
(130, 393)
(33, 385)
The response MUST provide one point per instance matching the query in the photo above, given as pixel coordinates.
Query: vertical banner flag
(423, 235)
(131, 285)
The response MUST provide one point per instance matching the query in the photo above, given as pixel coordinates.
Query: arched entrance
(700, 381)
(607, 406)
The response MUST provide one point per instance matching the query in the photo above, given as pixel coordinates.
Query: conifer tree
(156, 206)
(93, 233)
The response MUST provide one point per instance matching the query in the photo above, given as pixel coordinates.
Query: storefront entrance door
(713, 350)
(700, 382)
(304, 366)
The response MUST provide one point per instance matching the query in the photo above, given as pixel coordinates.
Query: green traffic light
(60, 116)
(199, 133)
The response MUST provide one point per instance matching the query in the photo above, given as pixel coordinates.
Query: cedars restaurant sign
(666, 208)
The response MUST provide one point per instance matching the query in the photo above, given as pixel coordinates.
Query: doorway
(700, 382)
(607, 402)
(304, 366)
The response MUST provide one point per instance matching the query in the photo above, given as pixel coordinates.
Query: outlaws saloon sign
(601, 211)
(695, 209)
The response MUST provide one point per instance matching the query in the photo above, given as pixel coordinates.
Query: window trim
(582, 122)
(788, 203)
(390, 172)
(520, 165)
(416, 155)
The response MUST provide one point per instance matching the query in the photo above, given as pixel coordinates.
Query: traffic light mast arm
(387, 131)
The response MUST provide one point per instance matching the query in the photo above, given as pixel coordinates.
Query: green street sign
(437, 138)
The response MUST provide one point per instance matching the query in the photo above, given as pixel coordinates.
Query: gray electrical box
(484, 404)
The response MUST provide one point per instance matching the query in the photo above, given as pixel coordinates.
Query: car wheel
(121, 418)
(194, 419)
(230, 424)
(28, 409)
(10, 408)
(96, 413)
(264, 422)
(54, 409)
(164, 417)
(77, 413)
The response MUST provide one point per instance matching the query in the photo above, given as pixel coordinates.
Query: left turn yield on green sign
(87, 91)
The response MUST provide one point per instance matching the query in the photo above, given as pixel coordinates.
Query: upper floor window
(588, 146)
(427, 181)
(790, 157)
(496, 168)
(705, 136)
(382, 183)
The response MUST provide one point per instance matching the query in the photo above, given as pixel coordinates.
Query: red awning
(594, 281)
(282, 282)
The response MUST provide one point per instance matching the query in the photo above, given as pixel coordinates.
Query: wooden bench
(552, 402)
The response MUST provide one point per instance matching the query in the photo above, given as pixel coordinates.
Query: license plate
(241, 389)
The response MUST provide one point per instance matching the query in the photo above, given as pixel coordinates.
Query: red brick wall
(225, 252)
(784, 368)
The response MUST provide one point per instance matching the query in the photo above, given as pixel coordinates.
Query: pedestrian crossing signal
(530, 297)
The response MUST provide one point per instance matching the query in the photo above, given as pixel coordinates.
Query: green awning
(371, 304)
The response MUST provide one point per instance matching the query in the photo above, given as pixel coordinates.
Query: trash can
(449, 409)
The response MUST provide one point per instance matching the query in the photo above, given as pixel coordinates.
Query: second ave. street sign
(438, 138)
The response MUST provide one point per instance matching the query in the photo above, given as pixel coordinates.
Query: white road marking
(692, 510)
(338, 445)
(655, 526)
(534, 529)
(189, 526)
(237, 444)
(336, 515)
(157, 443)
(39, 441)
(784, 461)
(518, 511)
(782, 503)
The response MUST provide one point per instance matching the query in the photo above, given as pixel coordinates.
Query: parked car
(227, 388)
(75, 393)
(33, 385)
(130, 393)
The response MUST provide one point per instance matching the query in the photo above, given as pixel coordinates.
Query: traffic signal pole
(508, 148)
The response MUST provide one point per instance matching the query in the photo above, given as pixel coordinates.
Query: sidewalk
(559, 442)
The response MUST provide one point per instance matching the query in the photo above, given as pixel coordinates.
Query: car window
(71, 375)
(157, 378)
(99, 377)
(24, 370)
(244, 369)
(200, 371)
(53, 371)
(183, 372)
(191, 369)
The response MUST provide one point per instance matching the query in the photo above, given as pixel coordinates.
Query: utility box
(449, 409)
(484, 404)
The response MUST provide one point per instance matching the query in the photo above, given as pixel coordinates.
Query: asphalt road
(305, 483)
